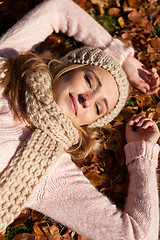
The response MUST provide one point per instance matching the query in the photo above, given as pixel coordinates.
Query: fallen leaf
(150, 49)
(121, 22)
(52, 232)
(155, 43)
(134, 3)
(24, 236)
(86, 5)
(114, 11)
(82, 238)
(94, 178)
(140, 19)
(102, 4)
(36, 215)
(37, 228)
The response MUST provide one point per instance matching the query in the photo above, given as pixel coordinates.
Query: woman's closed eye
(97, 109)
(88, 80)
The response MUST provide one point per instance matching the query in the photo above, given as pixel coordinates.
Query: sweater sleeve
(64, 16)
(68, 197)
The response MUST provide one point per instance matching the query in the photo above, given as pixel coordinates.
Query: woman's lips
(73, 104)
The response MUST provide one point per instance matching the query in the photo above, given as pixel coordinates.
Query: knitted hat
(97, 57)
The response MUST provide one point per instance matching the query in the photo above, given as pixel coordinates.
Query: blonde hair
(17, 69)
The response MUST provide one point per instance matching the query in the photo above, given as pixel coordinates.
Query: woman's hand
(140, 77)
(141, 128)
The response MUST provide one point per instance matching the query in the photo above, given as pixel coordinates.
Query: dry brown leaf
(24, 236)
(82, 238)
(37, 228)
(102, 4)
(114, 11)
(95, 179)
(155, 43)
(66, 235)
(150, 49)
(53, 233)
(48, 230)
(119, 118)
(86, 5)
(36, 215)
(140, 19)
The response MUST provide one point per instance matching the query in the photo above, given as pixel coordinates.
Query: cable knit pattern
(53, 132)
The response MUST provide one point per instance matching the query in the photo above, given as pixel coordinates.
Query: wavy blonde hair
(17, 68)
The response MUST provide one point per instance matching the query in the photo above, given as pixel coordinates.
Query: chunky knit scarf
(53, 133)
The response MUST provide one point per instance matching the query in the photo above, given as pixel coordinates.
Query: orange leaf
(140, 19)
(134, 3)
(37, 228)
(82, 238)
(155, 43)
(36, 215)
(94, 178)
(114, 11)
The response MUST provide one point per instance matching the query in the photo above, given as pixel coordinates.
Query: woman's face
(86, 94)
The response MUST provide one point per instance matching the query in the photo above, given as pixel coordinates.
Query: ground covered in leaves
(136, 23)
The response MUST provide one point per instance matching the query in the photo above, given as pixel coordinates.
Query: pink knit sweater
(66, 195)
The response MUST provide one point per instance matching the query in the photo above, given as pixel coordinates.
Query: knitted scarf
(53, 132)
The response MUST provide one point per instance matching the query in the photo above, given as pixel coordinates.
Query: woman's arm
(69, 18)
(68, 197)
(64, 16)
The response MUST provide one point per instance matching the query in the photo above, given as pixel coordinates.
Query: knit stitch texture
(53, 132)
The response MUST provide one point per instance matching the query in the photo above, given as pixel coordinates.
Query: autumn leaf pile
(136, 23)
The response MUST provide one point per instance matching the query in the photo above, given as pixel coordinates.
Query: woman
(64, 188)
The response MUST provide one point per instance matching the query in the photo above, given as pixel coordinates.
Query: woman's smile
(73, 103)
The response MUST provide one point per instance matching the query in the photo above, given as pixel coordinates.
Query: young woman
(45, 95)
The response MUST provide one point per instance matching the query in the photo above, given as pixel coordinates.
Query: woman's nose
(85, 100)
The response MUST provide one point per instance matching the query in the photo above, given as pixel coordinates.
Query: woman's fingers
(145, 123)
(155, 78)
(136, 118)
(140, 121)
(151, 82)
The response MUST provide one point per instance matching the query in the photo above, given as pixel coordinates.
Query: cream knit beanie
(97, 57)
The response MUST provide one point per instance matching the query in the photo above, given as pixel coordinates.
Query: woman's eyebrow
(106, 103)
(96, 77)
